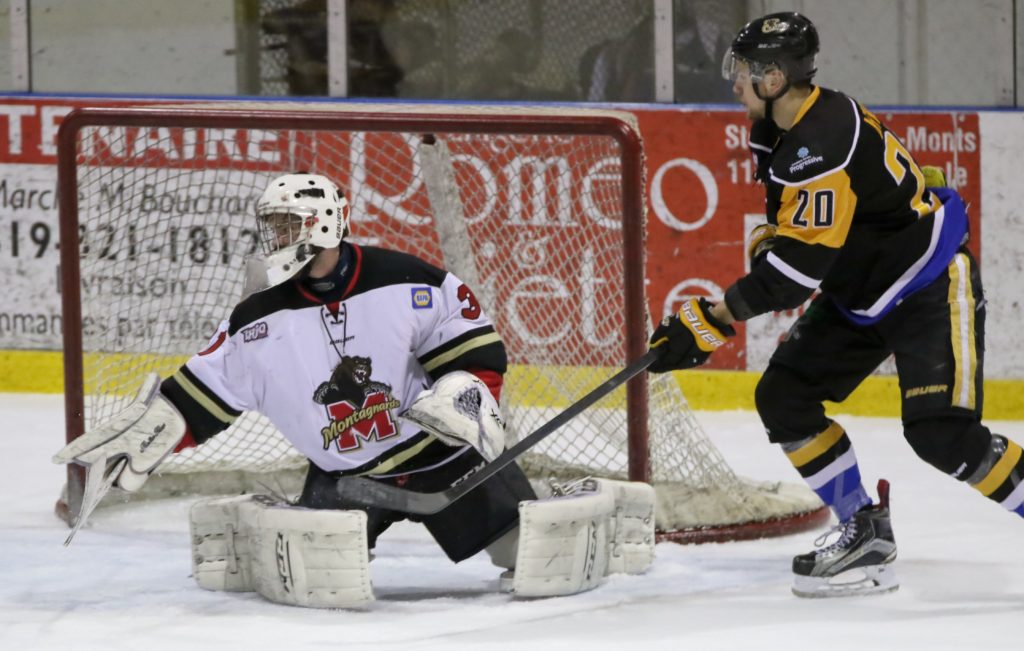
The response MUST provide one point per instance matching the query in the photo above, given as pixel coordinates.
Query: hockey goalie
(373, 363)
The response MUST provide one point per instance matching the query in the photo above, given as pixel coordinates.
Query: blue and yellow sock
(827, 463)
(1000, 476)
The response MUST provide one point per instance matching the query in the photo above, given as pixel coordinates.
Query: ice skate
(859, 562)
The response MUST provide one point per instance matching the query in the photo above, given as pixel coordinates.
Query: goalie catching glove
(126, 449)
(689, 336)
(460, 410)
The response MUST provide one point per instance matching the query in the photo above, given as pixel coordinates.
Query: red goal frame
(631, 160)
(426, 120)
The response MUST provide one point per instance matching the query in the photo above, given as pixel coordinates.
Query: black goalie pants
(464, 528)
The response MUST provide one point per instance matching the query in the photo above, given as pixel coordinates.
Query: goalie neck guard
(297, 216)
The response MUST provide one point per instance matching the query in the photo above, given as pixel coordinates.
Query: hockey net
(540, 210)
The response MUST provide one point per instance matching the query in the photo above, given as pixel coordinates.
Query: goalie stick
(369, 492)
(97, 483)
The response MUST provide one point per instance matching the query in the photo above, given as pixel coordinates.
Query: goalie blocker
(320, 558)
(126, 449)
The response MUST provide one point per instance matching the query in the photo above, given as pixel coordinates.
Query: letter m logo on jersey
(352, 424)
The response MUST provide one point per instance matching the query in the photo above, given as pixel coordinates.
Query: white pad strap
(563, 543)
(290, 555)
(594, 527)
(307, 557)
(221, 557)
(460, 410)
(631, 537)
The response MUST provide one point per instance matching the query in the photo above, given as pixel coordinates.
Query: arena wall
(701, 202)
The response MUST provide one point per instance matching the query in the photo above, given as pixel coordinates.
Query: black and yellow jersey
(854, 217)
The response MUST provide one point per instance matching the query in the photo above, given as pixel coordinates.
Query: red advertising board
(701, 195)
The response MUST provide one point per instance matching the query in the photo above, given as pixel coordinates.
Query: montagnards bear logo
(360, 409)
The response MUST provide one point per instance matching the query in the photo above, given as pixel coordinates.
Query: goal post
(542, 208)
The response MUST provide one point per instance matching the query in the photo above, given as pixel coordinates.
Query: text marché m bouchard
(183, 202)
(115, 197)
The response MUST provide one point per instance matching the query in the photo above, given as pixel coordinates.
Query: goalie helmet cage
(540, 210)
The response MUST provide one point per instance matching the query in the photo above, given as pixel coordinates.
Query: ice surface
(124, 583)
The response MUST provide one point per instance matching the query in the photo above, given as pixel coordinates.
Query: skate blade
(873, 579)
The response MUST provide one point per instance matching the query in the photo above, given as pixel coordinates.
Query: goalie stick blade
(369, 492)
(97, 484)
(378, 494)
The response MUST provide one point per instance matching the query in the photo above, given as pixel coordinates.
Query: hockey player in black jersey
(851, 218)
(370, 362)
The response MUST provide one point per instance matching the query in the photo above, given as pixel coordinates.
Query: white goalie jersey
(333, 370)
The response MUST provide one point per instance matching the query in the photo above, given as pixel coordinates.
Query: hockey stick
(369, 492)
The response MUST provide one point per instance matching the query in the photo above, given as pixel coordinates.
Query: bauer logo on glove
(689, 337)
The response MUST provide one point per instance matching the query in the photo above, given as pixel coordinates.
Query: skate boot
(859, 562)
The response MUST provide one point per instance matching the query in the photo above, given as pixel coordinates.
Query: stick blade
(97, 484)
(378, 494)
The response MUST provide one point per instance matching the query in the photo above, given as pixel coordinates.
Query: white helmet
(297, 216)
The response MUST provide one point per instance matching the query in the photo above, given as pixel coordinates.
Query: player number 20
(822, 205)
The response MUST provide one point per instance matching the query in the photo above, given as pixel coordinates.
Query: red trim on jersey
(221, 337)
(310, 297)
(186, 442)
(493, 379)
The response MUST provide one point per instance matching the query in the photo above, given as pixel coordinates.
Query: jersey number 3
(820, 203)
(473, 311)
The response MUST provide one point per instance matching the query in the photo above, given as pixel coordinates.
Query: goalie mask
(298, 216)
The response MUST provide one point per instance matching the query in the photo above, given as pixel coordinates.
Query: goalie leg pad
(563, 543)
(631, 534)
(309, 557)
(289, 555)
(503, 550)
(221, 558)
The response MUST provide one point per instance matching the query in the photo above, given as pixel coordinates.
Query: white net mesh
(533, 220)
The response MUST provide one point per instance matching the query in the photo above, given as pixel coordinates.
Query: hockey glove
(459, 409)
(691, 336)
(934, 177)
(762, 239)
(126, 449)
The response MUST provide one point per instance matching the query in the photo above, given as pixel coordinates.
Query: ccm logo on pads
(422, 298)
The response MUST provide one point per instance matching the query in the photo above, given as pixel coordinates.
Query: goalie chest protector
(332, 371)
